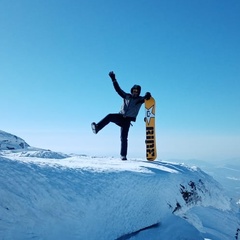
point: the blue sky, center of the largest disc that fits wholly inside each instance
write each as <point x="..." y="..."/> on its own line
<point x="55" y="57"/>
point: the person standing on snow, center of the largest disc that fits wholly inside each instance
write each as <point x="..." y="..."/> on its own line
<point x="132" y="103"/>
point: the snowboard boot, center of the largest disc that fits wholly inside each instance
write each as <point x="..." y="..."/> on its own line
<point x="94" y="127"/>
<point x="124" y="158"/>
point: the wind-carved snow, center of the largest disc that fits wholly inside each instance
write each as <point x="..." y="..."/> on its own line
<point x="52" y="195"/>
<point x="81" y="197"/>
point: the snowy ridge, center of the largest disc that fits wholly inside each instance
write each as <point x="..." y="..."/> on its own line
<point x="52" y="195"/>
<point x="10" y="142"/>
<point x="81" y="197"/>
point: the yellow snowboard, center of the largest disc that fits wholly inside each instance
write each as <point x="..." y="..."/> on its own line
<point x="151" y="148"/>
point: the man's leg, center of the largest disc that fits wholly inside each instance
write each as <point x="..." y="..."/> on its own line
<point x="112" y="117"/>
<point x="124" y="138"/>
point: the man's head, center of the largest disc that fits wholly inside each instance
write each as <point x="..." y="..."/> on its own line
<point x="136" y="90"/>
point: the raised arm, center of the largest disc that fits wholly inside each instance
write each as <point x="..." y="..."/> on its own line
<point x="116" y="85"/>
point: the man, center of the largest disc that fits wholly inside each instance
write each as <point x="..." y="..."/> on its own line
<point x="132" y="103"/>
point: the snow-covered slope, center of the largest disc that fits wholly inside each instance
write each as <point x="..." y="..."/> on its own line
<point x="103" y="198"/>
<point x="9" y="141"/>
<point x="49" y="195"/>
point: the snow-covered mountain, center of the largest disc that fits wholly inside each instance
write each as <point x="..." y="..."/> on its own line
<point x="14" y="143"/>
<point x="83" y="197"/>
<point x="10" y="142"/>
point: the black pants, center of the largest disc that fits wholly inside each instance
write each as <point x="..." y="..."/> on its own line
<point x="122" y="122"/>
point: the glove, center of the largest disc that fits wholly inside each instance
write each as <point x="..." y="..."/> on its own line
<point x="147" y="95"/>
<point x="112" y="76"/>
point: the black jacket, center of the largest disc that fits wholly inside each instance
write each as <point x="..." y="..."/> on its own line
<point x="131" y="105"/>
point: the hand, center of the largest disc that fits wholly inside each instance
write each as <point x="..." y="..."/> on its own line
<point x="112" y="76"/>
<point x="147" y="96"/>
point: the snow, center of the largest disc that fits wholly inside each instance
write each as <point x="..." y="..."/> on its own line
<point x="9" y="141"/>
<point x="50" y="195"/>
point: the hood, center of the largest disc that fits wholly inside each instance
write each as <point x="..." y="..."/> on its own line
<point x="136" y="87"/>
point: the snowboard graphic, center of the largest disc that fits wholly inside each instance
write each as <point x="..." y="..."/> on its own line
<point x="151" y="149"/>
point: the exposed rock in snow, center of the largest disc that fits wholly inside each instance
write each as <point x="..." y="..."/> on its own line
<point x="11" y="142"/>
